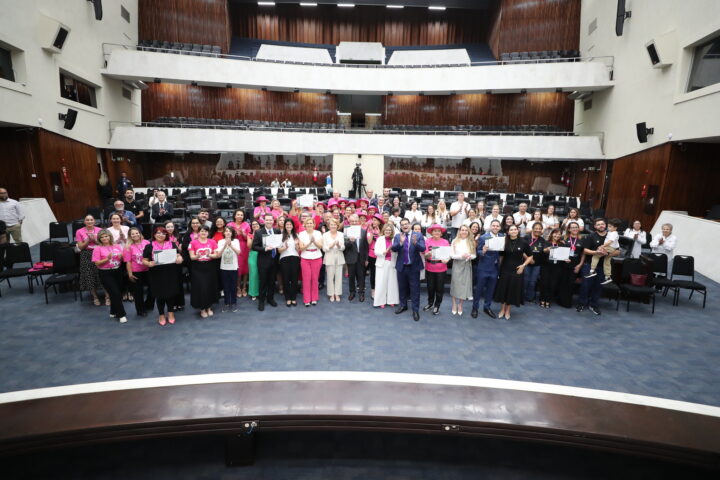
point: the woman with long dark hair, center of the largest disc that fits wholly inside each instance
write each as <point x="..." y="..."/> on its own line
<point x="228" y="251"/>
<point x="137" y="271"/>
<point x="515" y="257"/>
<point x="290" y="262"/>
<point x="553" y="271"/>
<point x="86" y="241"/>
<point x="242" y="230"/>
<point x="253" y="275"/>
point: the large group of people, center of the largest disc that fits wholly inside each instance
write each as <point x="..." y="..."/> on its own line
<point x="508" y="260"/>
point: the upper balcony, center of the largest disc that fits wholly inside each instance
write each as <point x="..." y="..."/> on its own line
<point x="213" y="69"/>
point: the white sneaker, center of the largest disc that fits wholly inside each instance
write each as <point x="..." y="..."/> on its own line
<point x="123" y="319"/>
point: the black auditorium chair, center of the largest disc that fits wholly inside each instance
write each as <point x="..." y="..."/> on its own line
<point x="17" y="254"/>
<point x="637" y="282"/>
<point x="684" y="266"/>
<point x="658" y="263"/>
<point x="47" y="254"/>
<point x="59" y="230"/>
<point x="65" y="266"/>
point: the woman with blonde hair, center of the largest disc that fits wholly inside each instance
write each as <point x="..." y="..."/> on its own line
<point x="463" y="253"/>
<point x="387" y="291"/>
<point x="333" y="242"/>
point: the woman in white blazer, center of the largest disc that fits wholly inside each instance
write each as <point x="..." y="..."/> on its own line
<point x="386" y="284"/>
<point x="333" y="246"/>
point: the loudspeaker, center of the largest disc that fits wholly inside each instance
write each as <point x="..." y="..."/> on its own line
<point x="652" y="51"/>
<point x="69" y="118"/>
<point x="52" y="34"/>
<point x="643" y="132"/>
<point x="620" y="18"/>
<point x="97" y="4"/>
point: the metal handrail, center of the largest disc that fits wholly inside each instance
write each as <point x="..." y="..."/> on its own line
<point x="608" y="59"/>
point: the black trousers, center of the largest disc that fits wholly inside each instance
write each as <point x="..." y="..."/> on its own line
<point x="356" y="280"/>
<point x="436" y="287"/>
<point x="371" y="266"/>
<point x="112" y="283"/>
<point x="267" y="271"/>
<point x="290" y="271"/>
<point x="163" y="303"/>
<point x="143" y="303"/>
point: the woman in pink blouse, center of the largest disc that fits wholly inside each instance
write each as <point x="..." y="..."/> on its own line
<point x="107" y="257"/>
<point x="204" y="288"/>
<point x="276" y="210"/>
<point x="262" y="207"/>
<point x="242" y="230"/>
<point x="86" y="241"/>
<point x="164" y="278"/>
<point x="137" y="271"/>
<point x="435" y="270"/>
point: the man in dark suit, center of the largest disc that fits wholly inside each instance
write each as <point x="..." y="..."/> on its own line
<point x="162" y="211"/>
<point x="267" y="261"/>
<point x="356" y="258"/>
<point x="409" y="246"/>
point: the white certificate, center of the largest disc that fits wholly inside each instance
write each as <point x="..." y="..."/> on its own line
<point x="352" y="231"/>
<point x="273" y="241"/>
<point x="305" y="201"/>
<point x="496" y="244"/>
<point x="560" y="253"/>
<point x="441" y="253"/>
<point x="164" y="257"/>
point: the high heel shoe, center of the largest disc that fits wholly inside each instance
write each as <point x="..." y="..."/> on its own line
<point x="161" y="320"/>
<point x="171" y="318"/>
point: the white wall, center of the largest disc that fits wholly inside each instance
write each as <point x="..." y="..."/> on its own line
<point x="642" y="93"/>
<point x="132" y="64"/>
<point x="373" y="169"/>
<point x="254" y="141"/>
<point x="34" y="99"/>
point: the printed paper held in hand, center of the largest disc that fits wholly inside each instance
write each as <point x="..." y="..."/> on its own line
<point x="560" y="253"/>
<point x="496" y="244"/>
<point x="305" y="201"/>
<point x="273" y="241"/>
<point x="164" y="257"/>
<point x="441" y="253"/>
<point x="352" y="231"/>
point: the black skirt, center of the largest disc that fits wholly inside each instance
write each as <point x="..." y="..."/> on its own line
<point x="204" y="291"/>
<point x="509" y="288"/>
<point x="164" y="281"/>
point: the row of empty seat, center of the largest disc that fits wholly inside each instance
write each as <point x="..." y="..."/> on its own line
<point x="218" y="123"/>
<point x="180" y="48"/>
<point x="541" y="56"/>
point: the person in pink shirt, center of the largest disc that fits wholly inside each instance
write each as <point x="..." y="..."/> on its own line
<point x="137" y="271"/>
<point x="276" y="210"/>
<point x="108" y="258"/>
<point x="373" y="232"/>
<point x="242" y="230"/>
<point x="435" y="270"/>
<point x="86" y="241"/>
<point x="262" y="207"/>
<point x="204" y="287"/>
<point x="164" y="278"/>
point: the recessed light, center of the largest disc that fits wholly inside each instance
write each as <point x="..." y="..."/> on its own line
<point x="395" y="6"/>
<point x="346" y="5"/>
<point x="308" y="4"/>
<point x="436" y="7"/>
<point x="266" y="4"/>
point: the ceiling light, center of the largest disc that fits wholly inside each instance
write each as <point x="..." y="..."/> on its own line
<point x="266" y="4"/>
<point x="395" y="6"/>
<point x="346" y="5"/>
<point x="436" y="8"/>
<point x="308" y="4"/>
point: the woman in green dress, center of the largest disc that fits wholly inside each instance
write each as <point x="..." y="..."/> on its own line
<point x="253" y="281"/>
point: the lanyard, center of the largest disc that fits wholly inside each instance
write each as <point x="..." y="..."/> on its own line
<point x="572" y="241"/>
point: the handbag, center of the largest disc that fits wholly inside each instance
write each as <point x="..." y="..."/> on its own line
<point x="638" y="279"/>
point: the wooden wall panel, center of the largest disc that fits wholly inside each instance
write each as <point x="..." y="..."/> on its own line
<point x="328" y="24"/>
<point x="530" y="25"/>
<point x="690" y="183"/>
<point x="164" y="99"/>
<point x="543" y="108"/>
<point x="187" y="21"/>
<point x="41" y="152"/>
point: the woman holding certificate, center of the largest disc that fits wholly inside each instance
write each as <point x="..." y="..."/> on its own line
<point x="333" y="245"/>
<point x="163" y="274"/>
<point x="516" y="256"/>
<point x="204" y="288"/>
<point x="577" y="259"/>
<point x="437" y="255"/>
<point x="554" y="269"/>
<point x="463" y="252"/>
<point x="387" y="291"/>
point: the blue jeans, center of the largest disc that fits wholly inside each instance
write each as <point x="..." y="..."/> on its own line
<point x="532" y="273"/>
<point x="590" y="289"/>
<point x="229" y="284"/>
<point x="486" y="282"/>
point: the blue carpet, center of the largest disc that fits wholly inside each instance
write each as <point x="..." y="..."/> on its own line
<point x="672" y="354"/>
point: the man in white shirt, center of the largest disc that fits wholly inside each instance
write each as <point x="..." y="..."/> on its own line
<point x="11" y="214"/>
<point x="494" y="215"/>
<point x="522" y="218"/>
<point x="458" y="213"/>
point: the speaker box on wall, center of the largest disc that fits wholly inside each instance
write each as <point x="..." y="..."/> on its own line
<point x="620" y="18"/>
<point x="643" y="132"/>
<point x="97" y="5"/>
<point x="69" y="118"/>
<point x="53" y="34"/>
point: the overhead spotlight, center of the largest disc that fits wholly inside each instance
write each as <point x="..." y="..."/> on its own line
<point x="266" y="4"/>
<point x="328" y="92"/>
<point x="390" y="94"/>
<point x="524" y="90"/>
<point x="264" y="89"/>
<point x="453" y="93"/>
<point x="395" y="6"/>
<point x="558" y="90"/>
<point x="422" y="94"/>
<point x="297" y="90"/>
<point x="194" y="84"/>
<point x="157" y="80"/>
<point x="346" y="5"/>
<point x="436" y="7"/>
<point x="488" y="92"/>
<point x="229" y="85"/>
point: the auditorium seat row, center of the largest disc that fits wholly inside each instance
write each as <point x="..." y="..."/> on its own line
<point x="180" y="48"/>
<point x="543" y="56"/>
<point x="217" y="123"/>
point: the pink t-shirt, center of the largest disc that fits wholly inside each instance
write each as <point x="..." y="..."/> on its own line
<point x="101" y="252"/>
<point x="133" y="254"/>
<point x="375" y="236"/>
<point x="276" y="213"/>
<point x="388" y="244"/>
<point x="203" y="250"/>
<point x="261" y="211"/>
<point x="82" y="235"/>
<point x="430" y="266"/>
